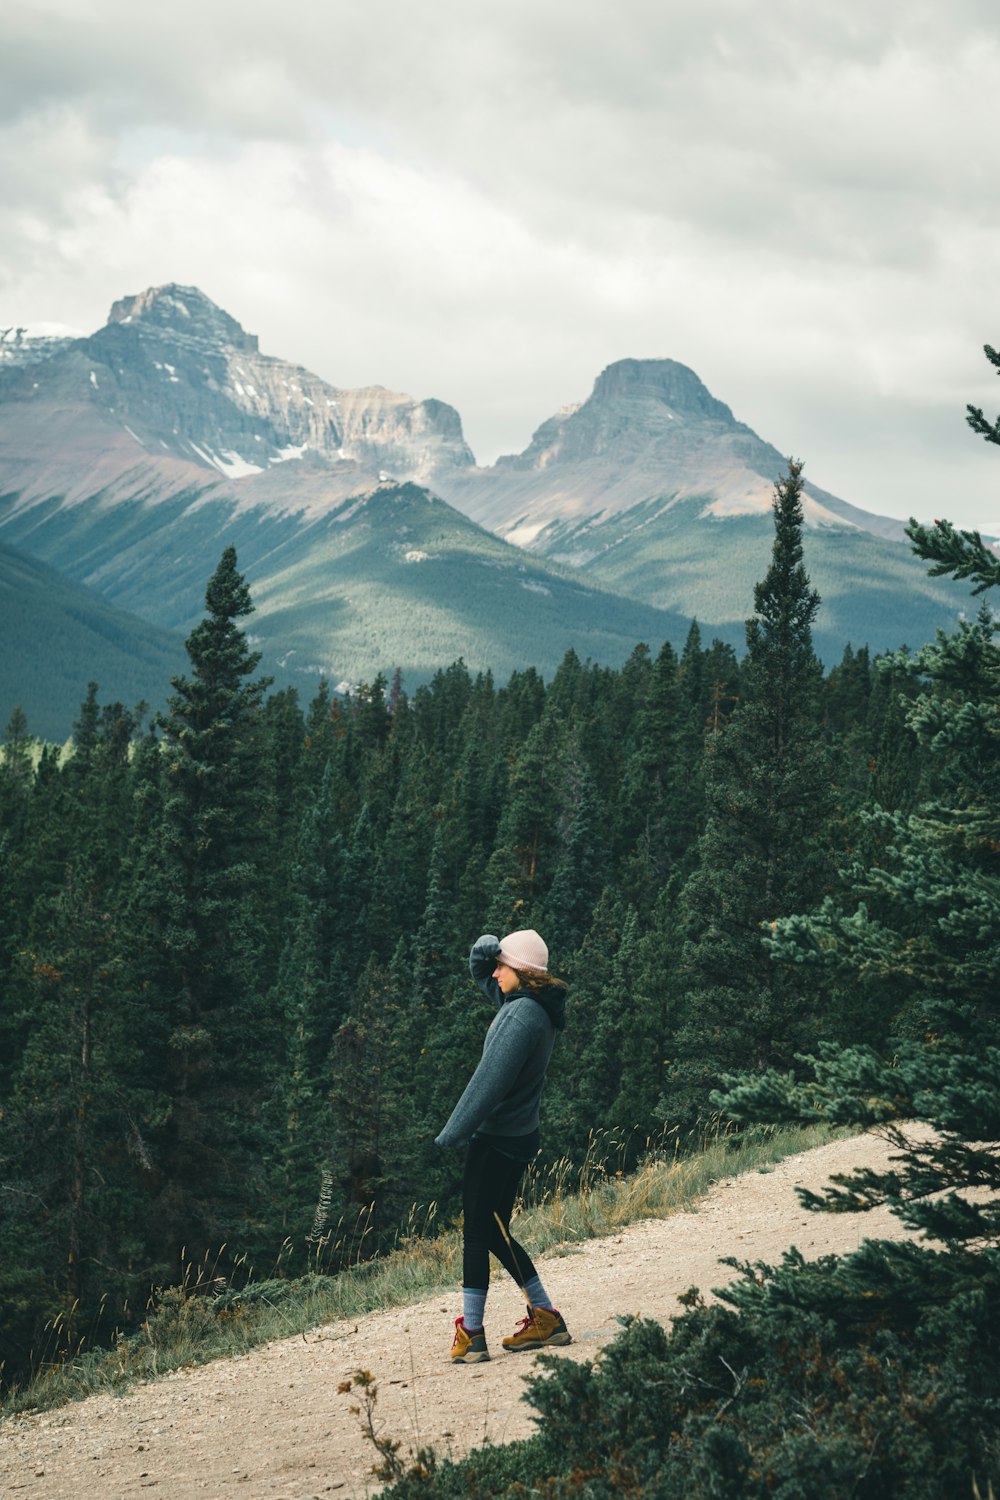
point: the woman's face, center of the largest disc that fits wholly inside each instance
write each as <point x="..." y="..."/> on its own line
<point x="506" y="978"/>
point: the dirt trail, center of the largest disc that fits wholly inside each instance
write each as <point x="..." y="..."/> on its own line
<point x="271" y="1423"/>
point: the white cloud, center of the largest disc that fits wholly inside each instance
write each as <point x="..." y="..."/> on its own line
<point x="490" y="203"/>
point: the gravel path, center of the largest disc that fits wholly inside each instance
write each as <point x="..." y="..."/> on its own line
<point x="272" y="1423"/>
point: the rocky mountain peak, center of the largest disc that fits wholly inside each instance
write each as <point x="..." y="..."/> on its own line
<point x="179" y="377"/>
<point x="183" y="310"/>
<point x="665" y="381"/>
<point x="635" y="404"/>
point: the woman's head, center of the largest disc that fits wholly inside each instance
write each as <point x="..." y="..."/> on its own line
<point x="524" y="951"/>
<point x="522" y="963"/>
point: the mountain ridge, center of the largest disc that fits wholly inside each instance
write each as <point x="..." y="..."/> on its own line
<point x="131" y="456"/>
<point x="648" y="428"/>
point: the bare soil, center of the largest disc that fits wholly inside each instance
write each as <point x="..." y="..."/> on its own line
<point x="272" y="1423"/>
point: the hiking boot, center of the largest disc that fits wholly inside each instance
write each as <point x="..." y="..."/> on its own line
<point x="468" y="1348"/>
<point x="542" y="1328"/>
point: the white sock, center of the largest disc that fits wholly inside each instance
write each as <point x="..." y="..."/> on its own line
<point x="473" y="1308"/>
<point x="536" y="1293"/>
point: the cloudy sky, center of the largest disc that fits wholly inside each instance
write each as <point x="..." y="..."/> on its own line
<point x="490" y="202"/>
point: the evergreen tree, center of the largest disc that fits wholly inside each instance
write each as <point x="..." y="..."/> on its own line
<point x="74" y="1157"/>
<point x="934" y="945"/>
<point x="764" y="851"/>
<point x="197" y="928"/>
<point x="15" y="774"/>
<point x="661" y="790"/>
<point x="310" y="1001"/>
<point x="581" y="862"/>
<point x="400" y="876"/>
<point x="985" y="565"/>
<point x="372" y="1141"/>
<point x="923" y="925"/>
<point x="584" y="1077"/>
<point x="620" y="1045"/>
<point x="522" y="865"/>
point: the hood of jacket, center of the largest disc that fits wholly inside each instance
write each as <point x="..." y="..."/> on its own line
<point x="552" y="999"/>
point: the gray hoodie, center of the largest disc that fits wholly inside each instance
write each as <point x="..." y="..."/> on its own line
<point x="503" y="1094"/>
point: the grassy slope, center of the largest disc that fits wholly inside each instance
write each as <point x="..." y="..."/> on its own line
<point x="562" y="1207"/>
<point x="339" y="592"/>
<point x="58" y="636"/>
<point x="874" y="592"/>
<point x="347" y="597"/>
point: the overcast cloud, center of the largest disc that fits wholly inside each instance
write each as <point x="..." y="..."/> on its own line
<point x="489" y="203"/>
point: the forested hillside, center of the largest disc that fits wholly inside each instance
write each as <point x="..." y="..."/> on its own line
<point x="236" y="1005"/>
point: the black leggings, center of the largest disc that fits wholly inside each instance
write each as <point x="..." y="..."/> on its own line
<point x="488" y="1191"/>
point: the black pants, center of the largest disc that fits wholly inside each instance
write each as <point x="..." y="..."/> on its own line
<point x="488" y="1192"/>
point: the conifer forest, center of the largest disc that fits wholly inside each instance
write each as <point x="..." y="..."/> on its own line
<point x="236" y="1006"/>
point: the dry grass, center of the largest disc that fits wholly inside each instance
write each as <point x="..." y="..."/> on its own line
<point x="202" y="1320"/>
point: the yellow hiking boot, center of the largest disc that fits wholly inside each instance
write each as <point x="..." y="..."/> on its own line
<point x="468" y="1348"/>
<point x="542" y="1328"/>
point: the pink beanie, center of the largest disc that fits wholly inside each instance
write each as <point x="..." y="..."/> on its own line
<point x="524" y="950"/>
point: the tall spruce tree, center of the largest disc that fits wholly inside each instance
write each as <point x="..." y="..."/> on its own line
<point x="522" y="865"/>
<point x="763" y="853"/>
<point x="197" y="930"/>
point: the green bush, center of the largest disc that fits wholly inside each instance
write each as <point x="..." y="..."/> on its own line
<point x="771" y="1398"/>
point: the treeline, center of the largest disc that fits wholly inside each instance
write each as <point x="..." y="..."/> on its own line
<point x="235" y="1006"/>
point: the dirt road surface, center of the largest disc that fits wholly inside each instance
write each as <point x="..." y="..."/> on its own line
<point x="271" y="1425"/>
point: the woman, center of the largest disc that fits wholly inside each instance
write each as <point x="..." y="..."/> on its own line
<point x="497" y="1116"/>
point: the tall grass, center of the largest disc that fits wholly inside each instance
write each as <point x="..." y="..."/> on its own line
<point x="204" y="1318"/>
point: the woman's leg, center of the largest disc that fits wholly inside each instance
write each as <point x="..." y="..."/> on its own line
<point x="488" y="1194"/>
<point x="505" y="1179"/>
<point x="491" y="1182"/>
<point x="476" y="1196"/>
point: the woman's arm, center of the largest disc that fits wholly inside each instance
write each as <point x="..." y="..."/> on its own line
<point x="482" y="962"/>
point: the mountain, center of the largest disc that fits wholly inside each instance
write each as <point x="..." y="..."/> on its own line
<point x="172" y="391"/>
<point x="653" y="487"/>
<point x="58" y="636"/>
<point x="130" y="459"/>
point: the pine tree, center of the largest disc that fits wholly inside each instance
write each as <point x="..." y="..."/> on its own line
<point x="922" y="927"/>
<point x="195" y="915"/>
<point x="310" y="1001"/>
<point x="372" y="1142"/>
<point x="986" y="566"/>
<point x="763" y="853"/>
<point x="522" y="865"/>
<point x="581" y="862"/>
<point x="661" y="786"/>
<point x="16" y="776"/>
<point x="74" y="1154"/>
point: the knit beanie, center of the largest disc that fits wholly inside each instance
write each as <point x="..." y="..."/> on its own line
<point x="524" y="950"/>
